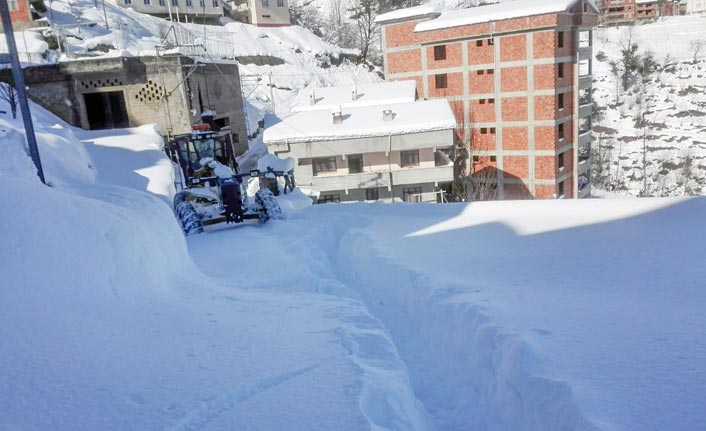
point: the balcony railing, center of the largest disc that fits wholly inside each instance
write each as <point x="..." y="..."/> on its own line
<point x="382" y="178"/>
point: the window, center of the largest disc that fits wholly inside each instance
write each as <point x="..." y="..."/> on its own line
<point x="491" y="41"/>
<point x="189" y="3"/>
<point x="560" y="42"/>
<point x="162" y="3"/>
<point x="492" y="130"/>
<point x="493" y="159"/>
<point x="560" y="101"/>
<point x="215" y="3"/>
<point x="175" y="2"/>
<point x="280" y="3"/>
<point x="408" y="191"/>
<point x="476" y="159"/>
<point x="491" y="101"/>
<point x="147" y="2"/>
<point x="13" y="6"/>
<point x="482" y="101"/>
<point x="372" y="194"/>
<point x="483" y="130"/>
<point x="409" y="158"/>
<point x="560" y="161"/>
<point x="265" y="3"/>
<point x="440" y="81"/>
<point x="355" y="163"/>
<point x="323" y="199"/>
<point x="481" y="72"/>
<point x="126" y="2"/>
<point x="560" y="70"/>
<point x="440" y="52"/>
<point x="560" y="190"/>
<point x="202" y="3"/>
<point x="490" y="71"/>
<point x="479" y="43"/>
<point x="323" y="165"/>
<point x="561" y="132"/>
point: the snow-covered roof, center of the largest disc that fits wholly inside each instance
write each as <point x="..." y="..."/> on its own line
<point x="497" y="12"/>
<point x="359" y="122"/>
<point x="410" y="12"/>
<point x="645" y="1"/>
<point x="366" y="95"/>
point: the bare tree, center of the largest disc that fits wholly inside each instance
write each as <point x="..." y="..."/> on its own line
<point x="696" y="46"/>
<point x="8" y="94"/>
<point x="363" y="13"/>
<point x="687" y="174"/>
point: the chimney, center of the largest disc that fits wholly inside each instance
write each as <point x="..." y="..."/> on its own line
<point x="337" y="116"/>
<point x="388" y="115"/>
<point x="354" y="93"/>
<point x="312" y="97"/>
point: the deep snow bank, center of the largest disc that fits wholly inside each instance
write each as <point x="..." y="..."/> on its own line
<point x="540" y="315"/>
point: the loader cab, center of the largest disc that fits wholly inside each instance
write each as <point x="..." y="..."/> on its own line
<point x="189" y="150"/>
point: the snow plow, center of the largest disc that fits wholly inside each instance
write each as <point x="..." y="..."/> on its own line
<point x="210" y="189"/>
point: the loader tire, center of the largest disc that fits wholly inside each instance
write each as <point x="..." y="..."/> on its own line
<point x="269" y="207"/>
<point x="187" y="215"/>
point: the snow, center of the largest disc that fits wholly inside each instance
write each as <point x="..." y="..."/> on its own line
<point x="270" y="161"/>
<point x="410" y="12"/>
<point x="360" y="122"/>
<point x="672" y="100"/>
<point x="496" y="12"/>
<point x="537" y="315"/>
<point x="327" y="98"/>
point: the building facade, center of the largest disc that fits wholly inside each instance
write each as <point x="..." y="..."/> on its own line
<point x="208" y="11"/>
<point x="171" y="91"/>
<point x="518" y="79"/>
<point x="262" y="13"/>
<point x="696" y="7"/>
<point x="367" y="152"/>
<point x="625" y="12"/>
<point x="20" y="14"/>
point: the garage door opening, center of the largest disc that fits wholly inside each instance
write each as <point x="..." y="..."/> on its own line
<point x="106" y="110"/>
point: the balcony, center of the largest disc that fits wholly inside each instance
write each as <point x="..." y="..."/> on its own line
<point x="585" y="138"/>
<point x="382" y="178"/>
<point x="585" y="52"/>
<point x="585" y="81"/>
<point x="585" y="191"/>
<point x="585" y="110"/>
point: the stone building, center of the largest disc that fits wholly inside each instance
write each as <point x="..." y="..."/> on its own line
<point x="172" y="91"/>
<point x="518" y="77"/>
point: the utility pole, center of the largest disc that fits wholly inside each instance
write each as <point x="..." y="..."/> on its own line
<point x="20" y="88"/>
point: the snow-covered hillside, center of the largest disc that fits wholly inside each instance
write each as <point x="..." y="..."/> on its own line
<point x="275" y="62"/>
<point x="672" y="143"/>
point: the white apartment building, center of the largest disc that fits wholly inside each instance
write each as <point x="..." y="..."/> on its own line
<point x="374" y="151"/>
<point x="190" y="10"/>
<point x="262" y="13"/>
<point x="696" y="7"/>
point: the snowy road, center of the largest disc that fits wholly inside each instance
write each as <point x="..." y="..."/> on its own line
<point x="561" y="315"/>
<point x="493" y="331"/>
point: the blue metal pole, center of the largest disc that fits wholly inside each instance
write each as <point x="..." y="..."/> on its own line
<point x="20" y="88"/>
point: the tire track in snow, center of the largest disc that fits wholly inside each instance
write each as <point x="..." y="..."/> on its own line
<point x="213" y="408"/>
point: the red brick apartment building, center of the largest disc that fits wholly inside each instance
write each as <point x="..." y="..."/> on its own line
<point x="518" y="77"/>
<point x="20" y="14"/>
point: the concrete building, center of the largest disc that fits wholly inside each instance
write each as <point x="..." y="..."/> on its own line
<point x="172" y="91"/>
<point x="376" y="150"/>
<point x="191" y="10"/>
<point x="518" y="78"/>
<point x="262" y="13"/>
<point x="696" y="7"/>
<point x="20" y="15"/>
